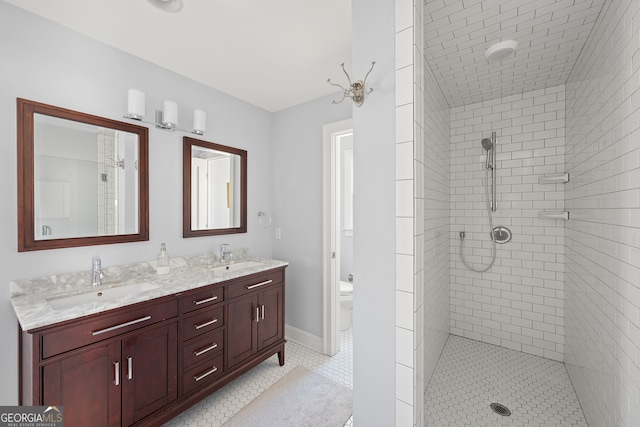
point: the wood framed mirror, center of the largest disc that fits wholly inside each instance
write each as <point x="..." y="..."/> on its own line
<point x="83" y="180"/>
<point x="214" y="189"/>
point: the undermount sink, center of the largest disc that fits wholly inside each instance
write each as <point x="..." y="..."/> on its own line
<point x="230" y="268"/>
<point x="99" y="295"/>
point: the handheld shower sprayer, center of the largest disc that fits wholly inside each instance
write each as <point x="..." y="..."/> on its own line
<point x="487" y="144"/>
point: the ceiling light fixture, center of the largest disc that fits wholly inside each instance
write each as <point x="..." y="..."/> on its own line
<point x="171" y="6"/>
<point x="167" y="118"/>
<point x="356" y="90"/>
<point x="501" y="50"/>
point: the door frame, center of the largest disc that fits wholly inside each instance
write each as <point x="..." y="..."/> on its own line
<point x="330" y="243"/>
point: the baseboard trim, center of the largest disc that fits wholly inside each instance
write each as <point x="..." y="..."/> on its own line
<point x="304" y="338"/>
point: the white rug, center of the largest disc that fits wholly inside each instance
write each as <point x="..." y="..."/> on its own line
<point x="302" y="398"/>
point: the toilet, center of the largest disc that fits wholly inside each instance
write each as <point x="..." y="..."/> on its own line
<point x="346" y="305"/>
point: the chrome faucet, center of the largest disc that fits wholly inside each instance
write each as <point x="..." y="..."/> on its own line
<point x="96" y="272"/>
<point x="225" y="253"/>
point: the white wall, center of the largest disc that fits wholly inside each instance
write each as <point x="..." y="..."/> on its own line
<point x="519" y="302"/>
<point x="44" y="62"/>
<point x="297" y="204"/>
<point x="374" y="132"/>
<point x="603" y="236"/>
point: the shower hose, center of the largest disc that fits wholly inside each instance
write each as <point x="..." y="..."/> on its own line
<point x="493" y="239"/>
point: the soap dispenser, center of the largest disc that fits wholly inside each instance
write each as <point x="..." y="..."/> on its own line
<point x="162" y="265"/>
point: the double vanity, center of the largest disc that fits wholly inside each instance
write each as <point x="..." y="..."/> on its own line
<point x="142" y="347"/>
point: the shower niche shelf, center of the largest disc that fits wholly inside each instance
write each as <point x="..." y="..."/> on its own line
<point x="555" y="178"/>
<point x="553" y="215"/>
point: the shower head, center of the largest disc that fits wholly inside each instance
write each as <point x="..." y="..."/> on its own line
<point x="487" y="144"/>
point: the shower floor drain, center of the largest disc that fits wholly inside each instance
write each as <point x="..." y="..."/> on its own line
<point x="500" y="409"/>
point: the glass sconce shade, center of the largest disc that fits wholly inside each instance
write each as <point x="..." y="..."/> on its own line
<point x="135" y="104"/>
<point x="170" y="114"/>
<point x="199" y="122"/>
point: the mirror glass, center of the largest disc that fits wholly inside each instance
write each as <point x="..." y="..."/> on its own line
<point x="83" y="179"/>
<point x="214" y="191"/>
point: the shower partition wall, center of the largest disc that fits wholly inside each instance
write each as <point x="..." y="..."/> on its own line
<point x="603" y="236"/>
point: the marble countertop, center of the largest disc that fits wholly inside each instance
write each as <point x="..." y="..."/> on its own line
<point x="29" y="297"/>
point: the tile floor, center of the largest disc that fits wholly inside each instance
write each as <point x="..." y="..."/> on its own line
<point x="216" y="409"/>
<point x="471" y="375"/>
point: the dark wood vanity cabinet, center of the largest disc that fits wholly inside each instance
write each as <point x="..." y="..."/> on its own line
<point x="116" y="383"/>
<point x="145" y="363"/>
<point x="203" y="337"/>
<point x="109" y="382"/>
<point x="150" y="372"/>
<point x="255" y="322"/>
<point x="86" y="379"/>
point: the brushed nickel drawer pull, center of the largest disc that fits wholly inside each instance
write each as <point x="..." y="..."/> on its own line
<point x="129" y="368"/>
<point x="262" y="312"/>
<point x="204" y="350"/>
<point x="257" y="314"/>
<point x="121" y="325"/>
<point x="202" y="325"/>
<point x="206" y="374"/>
<point x="266" y="282"/>
<point x="202" y="301"/>
<point x="116" y="368"/>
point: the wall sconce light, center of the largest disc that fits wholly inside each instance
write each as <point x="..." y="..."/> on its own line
<point x="167" y="119"/>
<point x="356" y="90"/>
<point x="135" y="105"/>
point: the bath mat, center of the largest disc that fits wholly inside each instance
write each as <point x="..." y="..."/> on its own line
<point x="302" y="398"/>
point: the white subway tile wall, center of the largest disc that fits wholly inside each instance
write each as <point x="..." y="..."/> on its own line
<point x="519" y="302"/>
<point x="603" y="237"/>
<point x="434" y="142"/>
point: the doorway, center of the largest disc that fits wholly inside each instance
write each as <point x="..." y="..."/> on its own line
<point x="337" y="226"/>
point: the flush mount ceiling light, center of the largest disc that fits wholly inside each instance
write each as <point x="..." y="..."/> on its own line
<point x="501" y="50"/>
<point x="170" y="6"/>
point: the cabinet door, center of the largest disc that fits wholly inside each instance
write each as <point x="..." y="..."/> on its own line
<point x="241" y="329"/>
<point x="271" y="323"/>
<point x="87" y="386"/>
<point x="149" y="371"/>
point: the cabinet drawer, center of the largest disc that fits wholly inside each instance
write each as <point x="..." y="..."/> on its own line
<point x="255" y="283"/>
<point x="204" y="298"/>
<point x="104" y="326"/>
<point x="202" y="348"/>
<point x="202" y="321"/>
<point x="203" y="373"/>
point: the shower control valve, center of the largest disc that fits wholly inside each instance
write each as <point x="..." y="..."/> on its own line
<point x="462" y="235"/>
